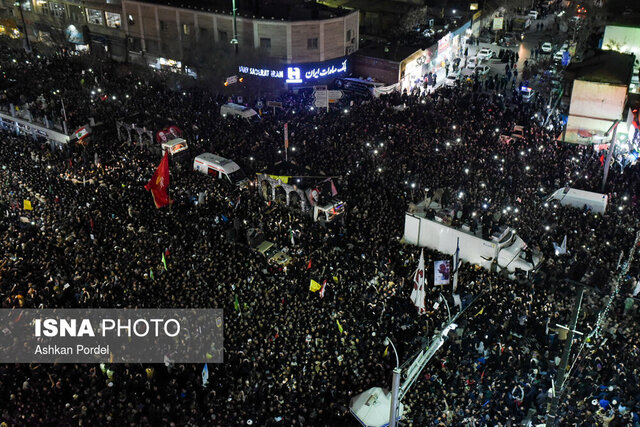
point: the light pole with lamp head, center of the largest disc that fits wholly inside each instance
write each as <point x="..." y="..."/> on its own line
<point x="395" y="386"/>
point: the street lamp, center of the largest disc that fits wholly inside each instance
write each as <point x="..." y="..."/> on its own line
<point x="24" y="24"/>
<point x="395" y="386"/>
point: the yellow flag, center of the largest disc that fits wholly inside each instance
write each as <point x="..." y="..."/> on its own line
<point x="27" y="205"/>
<point x="314" y="286"/>
<point x="340" y="326"/>
<point x="283" y="179"/>
<point x="480" y="312"/>
<point x="386" y="352"/>
<point x="335" y="279"/>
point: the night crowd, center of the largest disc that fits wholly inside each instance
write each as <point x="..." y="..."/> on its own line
<point x="95" y="239"/>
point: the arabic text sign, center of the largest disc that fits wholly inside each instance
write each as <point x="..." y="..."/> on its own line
<point x="111" y="335"/>
<point x="311" y="72"/>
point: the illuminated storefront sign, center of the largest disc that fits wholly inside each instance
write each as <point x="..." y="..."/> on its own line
<point x="295" y="74"/>
<point x="261" y="72"/>
<point x="301" y="73"/>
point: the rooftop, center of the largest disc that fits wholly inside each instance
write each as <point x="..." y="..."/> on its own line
<point x="284" y="10"/>
<point x="606" y="66"/>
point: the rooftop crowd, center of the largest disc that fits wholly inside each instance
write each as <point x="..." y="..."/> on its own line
<point x="94" y="239"/>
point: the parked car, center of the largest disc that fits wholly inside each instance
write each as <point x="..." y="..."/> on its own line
<point x="547" y="47"/>
<point x="557" y="57"/>
<point x="533" y="14"/>
<point x="452" y="78"/>
<point x="482" y="70"/>
<point x="485" y="54"/>
<point x="472" y="62"/>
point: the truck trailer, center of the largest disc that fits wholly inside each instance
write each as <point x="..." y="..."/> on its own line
<point x="504" y="250"/>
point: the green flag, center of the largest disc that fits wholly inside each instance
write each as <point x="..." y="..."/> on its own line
<point x="164" y="262"/>
<point x="339" y="326"/>
<point x="151" y="274"/>
<point x="236" y="303"/>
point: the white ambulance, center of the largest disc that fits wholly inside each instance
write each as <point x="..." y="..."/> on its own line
<point x="219" y="168"/>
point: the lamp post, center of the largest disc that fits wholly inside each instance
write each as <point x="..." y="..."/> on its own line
<point x="234" y="41"/>
<point x="395" y="386"/>
<point x="24" y="24"/>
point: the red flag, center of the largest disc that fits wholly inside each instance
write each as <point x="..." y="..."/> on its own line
<point x="159" y="183"/>
<point x="333" y="189"/>
<point x="309" y="265"/>
<point x="602" y="160"/>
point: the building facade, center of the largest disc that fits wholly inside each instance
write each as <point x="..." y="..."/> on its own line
<point x="172" y="32"/>
<point x="164" y="35"/>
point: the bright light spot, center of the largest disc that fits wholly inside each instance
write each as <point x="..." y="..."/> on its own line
<point x="528" y="167"/>
<point x="375" y="151"/>
<point x="448" y="144"/>
<point x="473" y="214"/>
<point x="504" y="211"/>
<point x="458" y="139"/>
<point x="546" y="205"/>
<point x="522" y="153"/>
<point x="293" y="148"/>
<point x="466" y="171"/>
<point x="516" y="210"/>
<point x="508" y="208"/>
<point x="93" y="92"/>
<point x="113" y="97"/>
<point x="495" y="157"/>
<point x="484" y="206"/>
<point x="620" y="208"/>
<point x="413" y="185"/>
<point x="184" y="93"/>
<point x="251" y="158"/>
<point x="99" y="90"/>
<point x="294" y="111"/>
<point x="546" y="227"/>
<point x="460" y="195"/>
<point x="311" y="108"/>
<point x="625" y="198"/>
<point x="379" y="169"/>
<point x="497" y="130"/>
<point x="453" y="127"/>
<point x="482" y="185"/>
<point x="346" y="111"/>
<point x="368" y="145"/>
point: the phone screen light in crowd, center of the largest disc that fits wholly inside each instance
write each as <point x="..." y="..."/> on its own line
<point x="485" y="206"/>
<point x="437" y="149"/>
<point x="293" y="148"/>
<point x="93" y="92"/>
<point x="458" y="140"/>
<point x="547" y="228"/>
<point x="294" y="111"/>
<point x="483" y="185"/>
<point x="368" y="145"/>
<point x="460" y="195"/>
<point x="279" y="151"/>
<point x="379" y="169"/>
<point x="315" y="128"/>
<point x="497" y="130"/>
<point x="466" y="170"/>
<point x="99" y="90"/>
<point x="504" y="211"/>
<point x="311" y="108"/>
<point x="453" y="127"/>
<point x="522" y="153"/>
<point x="184" y="93"/>
<point x="382" y="144"/>
<point x="413" y="185"/>
<point x="528" y="167"/>
<point x="423" y="101"/>
<point x="113" y="97"/>
<point x="448" y="144"/>
<point x="375" y="151"/>
<point x="625" y="198"/>
<point x="346" y="111"/>
<point x="620" y="208"/>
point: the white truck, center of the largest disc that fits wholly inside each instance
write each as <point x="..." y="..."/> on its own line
<point x="568" y="196"/>
<point x="505" y="250"/>
<point x="219" y="167"/>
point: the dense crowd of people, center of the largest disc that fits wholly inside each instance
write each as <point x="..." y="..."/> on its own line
<point x="94" y="239"/>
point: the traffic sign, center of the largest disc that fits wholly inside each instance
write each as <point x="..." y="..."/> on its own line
<point x="274" y="104"/>
<point x="335" y="94"/>
<point x="232" y="79"/>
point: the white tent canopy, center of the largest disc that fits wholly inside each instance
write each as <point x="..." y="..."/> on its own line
<point x="372" y="407"/>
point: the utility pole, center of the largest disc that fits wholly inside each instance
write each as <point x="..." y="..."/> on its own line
<point x="24" y="24"/>
<point x="612" y="147"/>
<point x="558" y="387"/>
<point x="234" y="41"/>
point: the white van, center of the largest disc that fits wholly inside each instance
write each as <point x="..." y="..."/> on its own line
<point x="236" y="110"/>
<point x="568" y="196"/>
<point x="178" y="148"/>
<point x="219" y="167"/>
